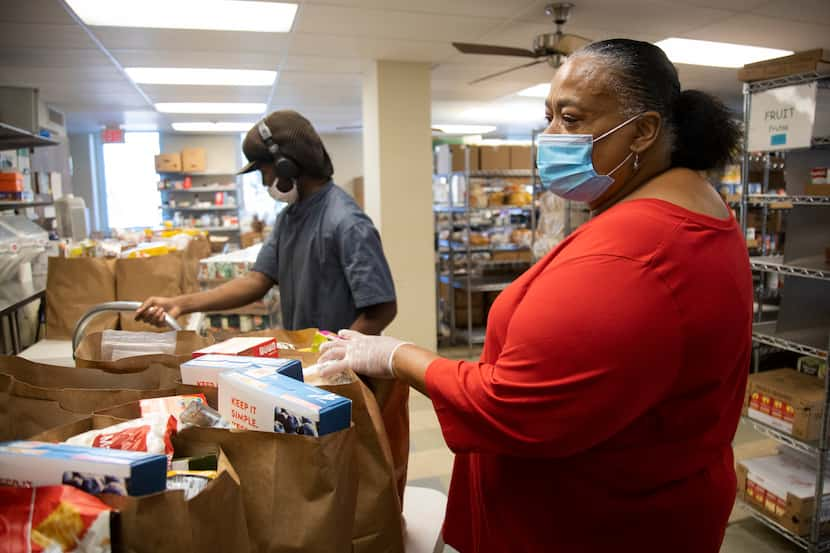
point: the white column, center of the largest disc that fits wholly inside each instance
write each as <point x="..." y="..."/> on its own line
<point x="397" y="167"/>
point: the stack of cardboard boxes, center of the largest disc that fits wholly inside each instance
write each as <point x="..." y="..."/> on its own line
<point x="189" y="160"/>
<point x="452" y="158"/>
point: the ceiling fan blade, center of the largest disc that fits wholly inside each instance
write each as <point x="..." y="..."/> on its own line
<point x="500" y="73"/>
<point x="569" y="44"/>
<point x="492" y="50"/>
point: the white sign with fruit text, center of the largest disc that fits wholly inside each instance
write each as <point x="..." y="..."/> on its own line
<point x="782" y="118"/>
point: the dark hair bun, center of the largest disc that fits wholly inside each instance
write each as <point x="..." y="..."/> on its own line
<point x="706" y="133"/>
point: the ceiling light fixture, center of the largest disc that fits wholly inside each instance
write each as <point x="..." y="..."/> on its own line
<point x="201" y="76"/>
<point x="716" y="54"/>
<point x="540" y="90"/>
<point x="212" y="126"/>
<point x="211" y="107"/>
<point x="209" y="15"/>
<point x="465" y="129"/>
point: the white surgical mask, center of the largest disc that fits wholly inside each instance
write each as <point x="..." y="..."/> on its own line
<point x="289" y="197"/>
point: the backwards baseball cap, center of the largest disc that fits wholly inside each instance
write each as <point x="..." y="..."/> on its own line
<point x="297" y="141"/>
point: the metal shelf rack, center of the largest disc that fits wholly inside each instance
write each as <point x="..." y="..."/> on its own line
<point x="204" y="183"/>
<point x="12" y="138"/>
<point x="454" y="253"/>
<point x="803" y="323"/>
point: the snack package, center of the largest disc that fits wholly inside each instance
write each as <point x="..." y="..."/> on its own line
<point x="151" y="434"/>
<point x="203" y="415"/>
<point x="53" y="519"/>
<point x="259" y="399"/>
<point x="170" y="405"/>
<point x="190" y="481"/>
<point x="202" y="462"/>
<point x="30" y="464"/>
<point x="205" y="370"/>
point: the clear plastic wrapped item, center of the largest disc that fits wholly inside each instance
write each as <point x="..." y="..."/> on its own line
<point x="118" y="344"/>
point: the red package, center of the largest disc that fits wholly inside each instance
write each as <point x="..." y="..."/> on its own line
<point x="53" y="518"/>
<point x="151" y="434"/>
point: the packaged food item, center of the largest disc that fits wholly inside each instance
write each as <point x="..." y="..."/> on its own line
<point x="205" y="370"/>
<point x="202" y="462"/>
<point x="118" y="344"/>
<point x="201" y="414"/>
<point x="53" y="519"/>
<point x="788" y="401"/>
<point x="259" y="399"/>
<point x="248" y="346"/>
<point x="30" y="464"/>
<point x="151" y="434"/>
<point x="190" y="481"/>
<point x="170" y="405"/>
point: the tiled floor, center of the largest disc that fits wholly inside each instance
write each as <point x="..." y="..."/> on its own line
<point x="430" y="464"/>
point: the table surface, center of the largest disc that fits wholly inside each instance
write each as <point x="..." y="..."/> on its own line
<point x="14" y="294"/>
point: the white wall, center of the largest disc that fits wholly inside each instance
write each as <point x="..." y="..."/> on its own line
<point x="222" y="151"/>
<point x="346" y="152"/>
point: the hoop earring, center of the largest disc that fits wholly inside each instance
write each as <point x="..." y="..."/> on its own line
<point x="636" y="162"/>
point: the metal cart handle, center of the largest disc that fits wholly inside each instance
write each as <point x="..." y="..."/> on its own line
<point x="83" y="322"/>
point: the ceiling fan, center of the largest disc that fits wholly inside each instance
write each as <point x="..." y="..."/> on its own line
<point x="550" y="47"/>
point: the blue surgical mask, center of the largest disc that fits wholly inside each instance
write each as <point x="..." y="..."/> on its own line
<point x="566" y="166"/>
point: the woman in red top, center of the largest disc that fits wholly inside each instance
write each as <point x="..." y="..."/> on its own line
<point x="601" y="413"/>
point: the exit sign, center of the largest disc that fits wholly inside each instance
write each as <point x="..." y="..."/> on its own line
<point x="112" y="136"/>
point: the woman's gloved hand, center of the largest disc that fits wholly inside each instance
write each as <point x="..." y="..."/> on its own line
<point x="367" y="355"/>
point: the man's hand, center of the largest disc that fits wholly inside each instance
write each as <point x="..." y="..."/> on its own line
<point x="367" y="355"/>
<point x="153" y="309"/>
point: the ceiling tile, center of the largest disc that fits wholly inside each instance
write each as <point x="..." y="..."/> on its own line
<point x="732" y="5"/>
<point x="373" y="23"/>
<point x="49" y="57"/>
<point x="766" y="31"/>
<point x="321" y="64"/>
<point x="808" y="11"/>
<point x="368" y="48"/>
<point x="31" y="76"/>
<point x="115" y="38"/>
<point x="472" y="8"/>
<point x="34" y="35"/>
<point x="231" y="59"/>
<point x="177" y="93"/>
<point x="37" y="11"/>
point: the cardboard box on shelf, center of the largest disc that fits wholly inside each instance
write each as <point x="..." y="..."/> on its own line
<point x="11" y="182"/>
<point x="520" y="157"/>
<point x="169" y="163"/>
<point x="820" y="175"/>
<point x="194" y="160"/>
<point x="458" y="157"/>
<point x="259" y="399"/>
<point x="817" y="190"/>
<point x="461" y="296"/>
<point x="205" y="370"/>
<point x="800" y="62"/>
<point x="494" y="158"/>
<point x="783" y="488"/>
<point x="245" y="346"/>
<point x="477" y="314"/>
<point x="787" y="400"/>
<point x="31" y="463"/>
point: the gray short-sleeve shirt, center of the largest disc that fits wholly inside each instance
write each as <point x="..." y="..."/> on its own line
<point x="326" y="256"/>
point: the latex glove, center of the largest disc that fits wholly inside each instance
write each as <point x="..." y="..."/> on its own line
<point x="367" y="355"/>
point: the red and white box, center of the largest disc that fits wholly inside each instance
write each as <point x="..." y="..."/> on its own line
<point x="820" y="175"/>
<point x="251" y="347"/>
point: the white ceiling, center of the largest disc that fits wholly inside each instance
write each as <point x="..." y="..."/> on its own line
<point x="322" y="59"/>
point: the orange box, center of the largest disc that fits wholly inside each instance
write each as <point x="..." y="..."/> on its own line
<point x="11" y="182"/>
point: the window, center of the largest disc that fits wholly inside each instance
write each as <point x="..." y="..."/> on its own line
<point x="131" y="180"/>
<point x="255" y="197"/>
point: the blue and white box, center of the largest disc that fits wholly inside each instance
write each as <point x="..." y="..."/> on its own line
<point x="92" y="469"/>
<point x="259" y="399"/>
<point x="205" y="370"/>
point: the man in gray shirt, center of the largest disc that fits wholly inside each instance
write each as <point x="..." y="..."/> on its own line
<point x="324" y="252"/>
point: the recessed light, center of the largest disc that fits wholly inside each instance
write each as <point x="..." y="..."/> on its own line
<point x="465" y="129"/>
<point x="210" y="15"/>
<point x="716" y="54"/>
<point x="201" y="76"/>
<point x="210" y="107"/>
<point x="540" y="90"/>
<point x="212" y="126"/>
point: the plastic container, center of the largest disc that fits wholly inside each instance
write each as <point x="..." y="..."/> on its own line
<point x="72" y="217"/>
<point x="10" y="258"/>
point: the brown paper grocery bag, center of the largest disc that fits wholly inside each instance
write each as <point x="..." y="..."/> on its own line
<point x="213" y="521"/>
<point x="198" y="248"/>
<point x="378" y="523"/>
<point x="35" y="397"/>
<point x="88" y="353"/>
<point x="139" y="278"/>
<point x="73" y="287"/>
<point x="299" y="492"/>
